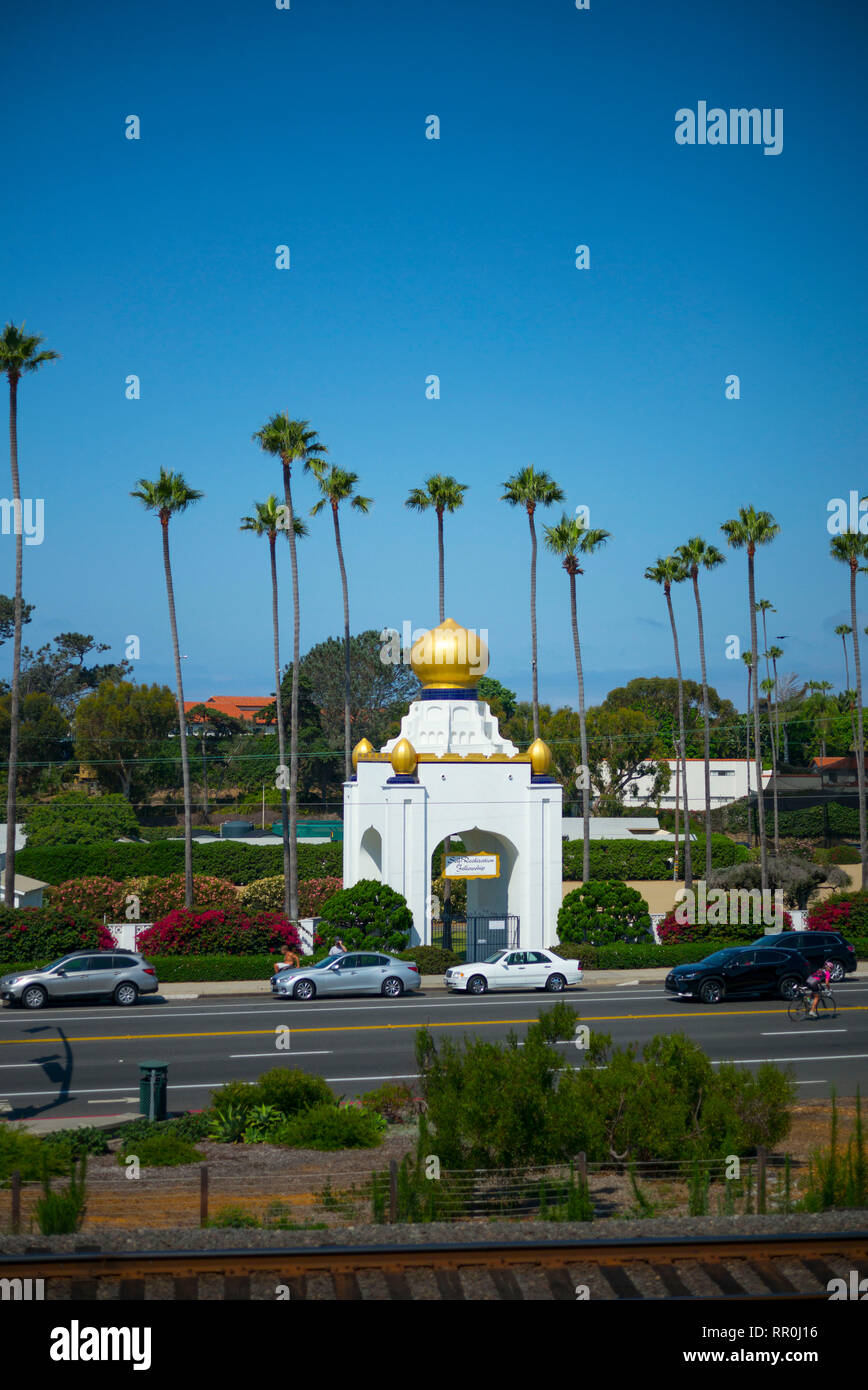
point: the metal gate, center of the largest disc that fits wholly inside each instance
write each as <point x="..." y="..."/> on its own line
<point x="477" y="936"/>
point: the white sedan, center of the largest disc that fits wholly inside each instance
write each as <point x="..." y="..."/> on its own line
<point x="515" y="970"/>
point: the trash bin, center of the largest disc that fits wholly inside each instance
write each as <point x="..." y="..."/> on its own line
<point x="153" y="1085"/>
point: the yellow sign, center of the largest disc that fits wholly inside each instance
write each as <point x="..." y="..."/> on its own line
<point x="472" y="866"/>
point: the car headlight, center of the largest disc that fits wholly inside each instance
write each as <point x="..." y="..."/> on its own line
<point x="688" y="975"/>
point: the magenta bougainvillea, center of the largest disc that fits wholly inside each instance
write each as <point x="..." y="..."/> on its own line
<point x="220" y="932"/>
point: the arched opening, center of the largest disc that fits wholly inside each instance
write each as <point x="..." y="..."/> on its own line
<point x="474" y="916"/>
<point x="371" y="854"/>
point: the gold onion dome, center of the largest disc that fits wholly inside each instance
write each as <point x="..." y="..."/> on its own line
<point x="363" y="749"/>
<point x="403" y="757"/>
<point x="540" y="756"/>
<point x="449" y="657"/>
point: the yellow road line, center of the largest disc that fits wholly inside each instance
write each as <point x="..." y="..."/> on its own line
<point x="391" y="1027"/>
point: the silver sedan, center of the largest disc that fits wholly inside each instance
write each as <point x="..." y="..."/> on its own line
<point x="356" y="972"/>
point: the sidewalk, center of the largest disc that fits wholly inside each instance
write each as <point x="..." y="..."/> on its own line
<point x="208" y="988"/>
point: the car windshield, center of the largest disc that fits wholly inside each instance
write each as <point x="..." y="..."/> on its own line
<point x="61" y="960"/>
<point x="326" y="962"/>
<point x="492" y="960"/>
<point x="719" y="957"/>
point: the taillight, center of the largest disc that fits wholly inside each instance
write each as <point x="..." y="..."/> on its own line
<point x="149" y="970"/>
<point x="852" y="950"/>
<point x="415" y="967"/>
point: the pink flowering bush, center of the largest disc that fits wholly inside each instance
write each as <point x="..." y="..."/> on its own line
<point x="230" y="931"/>
<point x="843" y="912"/>
<point x="35" y="935"/>
<point x="673" y="932"/>
<point x="95" y="898"/>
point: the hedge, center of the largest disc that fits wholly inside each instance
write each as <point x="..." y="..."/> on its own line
<point x="232" y="931"/>
<point x="78" y="818"/>
<point x="175" y="969"/>
<point x="239" y="863"/>
<point x="842" y="820"/>
<point x="266" y="894"/>
<point x="34" y="935"/>
<point x="97" y="897"/>
<point x="645" y="859"/>
<point x="624" y="956"/>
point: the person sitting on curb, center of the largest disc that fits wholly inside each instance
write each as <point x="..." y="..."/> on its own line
<point x="290" y="958"/>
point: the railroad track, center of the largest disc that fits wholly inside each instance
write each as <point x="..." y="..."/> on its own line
<point x="782" y="1267"/>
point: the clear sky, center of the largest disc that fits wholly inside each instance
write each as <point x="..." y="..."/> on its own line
<point x="454" y="257"/>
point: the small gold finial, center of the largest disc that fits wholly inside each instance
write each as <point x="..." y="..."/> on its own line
<point x="362" y="750"/>
<point x="540" y="756"/>
<point x="404" y="758"/>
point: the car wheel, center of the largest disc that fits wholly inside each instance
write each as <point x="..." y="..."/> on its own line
<point x="392" y="988"/>
<point x="555" y="984"/>
<point x="305" y="989"/>
<point x="477" y="984"/>
<point x="126" y="993"/>
<point x="34" y="997"/>
<point x="837" y="972"/>
<point x="711" y="992"/>
<point x="790" y="986"/>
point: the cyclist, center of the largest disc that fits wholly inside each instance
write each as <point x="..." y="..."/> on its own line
<point x="819" y="981"/>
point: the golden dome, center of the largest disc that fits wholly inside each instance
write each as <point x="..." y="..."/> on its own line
<point x="540" y="756"/>
<point x="404" y="758"/>
<point x="362" y="749"/>
<point x="449" y="657"/>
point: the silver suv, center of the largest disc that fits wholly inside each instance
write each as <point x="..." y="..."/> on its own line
<point x="83" y="975"/>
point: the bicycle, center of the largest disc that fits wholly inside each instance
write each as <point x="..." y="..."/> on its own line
<point x="800" y="1004"/>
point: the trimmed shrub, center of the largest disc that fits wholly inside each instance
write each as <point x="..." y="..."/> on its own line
<point x="180" y="969"/>
<point x="369" y="915"/>
<point x="267" y="894"/>
<point x="34" y="935"/>
<point x="432" y="960"/>
<point x="643" y="859"/>
<point x="231" y="932"/>
<point x="76" y="818"/>
<point x="603" y="911"/>
<point x="237" y="862"/>
<point x="90" y="898"/>
<point x="328" y="1127"/>
<point x="157" y="896"/>
<point x="844" y="912"/>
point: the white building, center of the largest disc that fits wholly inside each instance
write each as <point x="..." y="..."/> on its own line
<point x="450" y="772"/>
<point x="730" y="779"/>
<point x="615" y="828"/>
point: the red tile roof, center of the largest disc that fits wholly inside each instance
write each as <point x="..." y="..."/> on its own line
<point x="236" y="706"/>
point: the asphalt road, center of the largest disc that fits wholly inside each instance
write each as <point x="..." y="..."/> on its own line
<point x="69" y="1061"/>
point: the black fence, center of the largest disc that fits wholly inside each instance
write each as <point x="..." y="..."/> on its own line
<point x="475" y="937"/>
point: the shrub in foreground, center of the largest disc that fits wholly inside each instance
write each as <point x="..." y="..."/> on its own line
<point x="330" y="1127"/>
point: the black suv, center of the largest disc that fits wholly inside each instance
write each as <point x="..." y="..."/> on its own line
<point x="816" y="947"/>
<point x="740" y="970"/>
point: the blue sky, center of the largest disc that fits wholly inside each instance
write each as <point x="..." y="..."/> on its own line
<point x="412" y="257"/>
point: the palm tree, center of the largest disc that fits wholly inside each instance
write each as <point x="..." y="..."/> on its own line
<point x="697" y="554"/>
<point x="19" y="354"/>
<point x="850" y="548"/>
<point x="571" y="538"/>
<point x="668" y="571"/>
<point x="168" y="497"/>
<point x="292" y="442"/>
<point x="337" y="486"/>
<point x="747" y="658"/>
<point x="746" y="531"/>
<point x="774" y="653"/>
<point x="843" y="630"/>
<point x="530" y="490"/>
<point x="267" y="520"/>
<point x="764" y="605"/>
<point x="444" y="494"/>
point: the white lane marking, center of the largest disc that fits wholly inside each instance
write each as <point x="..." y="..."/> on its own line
<point x="811" y="1083"/>
<point x="321" y="1052"/>
<point x="826" y="1057"/>
<point x="626" y="984"/>
<point x="399" y="1076"/>
<point x="14" y="1066"/>
<point x="112" y="1101"/>
<point x="802" y="1032"/>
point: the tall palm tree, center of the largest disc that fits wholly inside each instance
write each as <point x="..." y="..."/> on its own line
<point x="337" y="486"/>
<point x="747" y="531"/>
<point x="292" y="441"/>
<point x="666" y="572"/>
<point x="697" y="554"/>
<point x="747" y="658"/>
<point x="774" y="653"/>
<point x="445" y="494"/>
<point x="571" y="539"/>
<point x="530" y="490"/>
<point x="267" y="521"/>
<point x="843" y="630"/>
<point x="851" y="548"/>
<point x="19" y="354"/>
<point x="168" y="496"/>
<point x="764" y="606"/>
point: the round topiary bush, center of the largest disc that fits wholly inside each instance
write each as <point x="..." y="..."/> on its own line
<point x="604" y="910"/>
<point x="267" y="894"/>
<point x="368" y="915"/>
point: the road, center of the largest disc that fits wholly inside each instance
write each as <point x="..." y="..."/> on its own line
<point x="66" y="1062"/>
